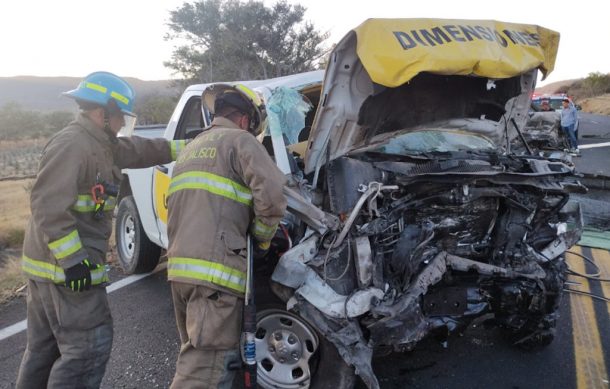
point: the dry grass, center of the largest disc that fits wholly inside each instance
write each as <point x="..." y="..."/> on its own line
<point x="22" y="144"/>
<point x="14" y="216"/>
<point x="11" y="278"/>
<point x="599" y="105"/>
<point x="20" y="158"/>
<point x="14" y="211"/>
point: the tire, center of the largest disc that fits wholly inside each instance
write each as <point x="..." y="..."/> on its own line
<point x="326" y="368"/>
<point x="283" y="341"/>
<point x="137" y="254"/>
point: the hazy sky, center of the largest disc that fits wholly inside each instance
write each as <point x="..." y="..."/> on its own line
<point x="76" y="37"/>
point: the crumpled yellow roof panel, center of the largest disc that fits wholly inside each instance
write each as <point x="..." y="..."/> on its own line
<point x="393" y="51"/>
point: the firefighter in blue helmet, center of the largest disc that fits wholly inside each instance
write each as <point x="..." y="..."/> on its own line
<point x="69" y="327"/>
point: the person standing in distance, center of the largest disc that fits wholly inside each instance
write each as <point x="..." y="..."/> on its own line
<point x="224" y="185"/>
<point x="569" y="115"/>
<point x="69" y="325"/>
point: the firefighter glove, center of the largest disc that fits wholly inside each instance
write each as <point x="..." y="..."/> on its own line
<point x="261" y="249"/>
<point x="78" y="277"/>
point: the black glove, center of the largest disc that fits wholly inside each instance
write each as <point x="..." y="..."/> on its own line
<point x="78" y="277"/>
<point x="260" y="250"/>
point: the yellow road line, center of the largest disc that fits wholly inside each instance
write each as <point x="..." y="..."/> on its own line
<point x="588" y="354"/>
<point x="602" y="259"/>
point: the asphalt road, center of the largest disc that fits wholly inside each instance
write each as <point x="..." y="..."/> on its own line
<point x="594" y="134"/>
<point x="146" y="345"/>
<point x="146" y="341"/>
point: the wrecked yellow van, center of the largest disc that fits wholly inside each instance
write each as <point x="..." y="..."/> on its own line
<point x="417" y="206"/>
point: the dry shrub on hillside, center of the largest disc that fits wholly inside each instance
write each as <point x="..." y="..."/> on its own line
<point x="599" y="105"/>
<point x="595" y="84"/>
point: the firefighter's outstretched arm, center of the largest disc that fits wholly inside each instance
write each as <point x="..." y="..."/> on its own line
<point x="137" y="152"/>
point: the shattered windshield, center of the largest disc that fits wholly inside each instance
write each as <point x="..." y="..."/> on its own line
<point x="419" y="142"/>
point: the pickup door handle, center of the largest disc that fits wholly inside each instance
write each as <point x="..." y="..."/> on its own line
<point x="162" y="168"/>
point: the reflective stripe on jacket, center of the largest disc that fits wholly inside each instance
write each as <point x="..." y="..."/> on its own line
<point x="224" y="183"/>
<point x="63" y="230"/>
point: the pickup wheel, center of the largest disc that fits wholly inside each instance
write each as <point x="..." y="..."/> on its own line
<point x="137" y="254"/>
<point x="292" y="355"/>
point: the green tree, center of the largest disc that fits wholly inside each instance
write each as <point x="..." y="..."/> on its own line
<point x="234" y="40"/>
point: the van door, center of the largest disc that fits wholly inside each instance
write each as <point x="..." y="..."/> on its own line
<point x="191" y="123"/>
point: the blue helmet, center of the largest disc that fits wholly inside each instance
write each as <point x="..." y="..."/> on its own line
<point x="100" y="87"/>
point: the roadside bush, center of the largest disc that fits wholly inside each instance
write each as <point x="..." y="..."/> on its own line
<point x="12" y="278"/>
<point x="595" y="84"/>
<point x="19" y="123"/>
<point x="12" y="237"/>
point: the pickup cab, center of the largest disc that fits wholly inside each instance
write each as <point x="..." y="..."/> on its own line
<point x="141" y="222"/>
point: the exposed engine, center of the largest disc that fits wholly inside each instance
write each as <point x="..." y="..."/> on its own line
<point x="427" y="245"/>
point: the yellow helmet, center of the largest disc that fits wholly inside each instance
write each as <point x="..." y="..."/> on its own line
<point x="240" y="97"/>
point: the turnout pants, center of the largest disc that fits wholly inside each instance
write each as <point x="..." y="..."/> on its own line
<point x="69" y="337"/>
<point x="209" y="323"/>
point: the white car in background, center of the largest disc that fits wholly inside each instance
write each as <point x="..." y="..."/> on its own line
<point x="555" y="102"/>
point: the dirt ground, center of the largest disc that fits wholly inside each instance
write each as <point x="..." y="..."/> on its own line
<point x="14" y="216"/>
<point x="599" y="105"/>
<point x="14" y="207"/>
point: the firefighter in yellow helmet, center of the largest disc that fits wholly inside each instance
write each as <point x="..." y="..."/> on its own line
<point x="69" y="326"/>
<point x="224" y="184"/>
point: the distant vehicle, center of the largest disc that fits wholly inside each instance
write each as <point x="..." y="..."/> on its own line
<point x="554" y="102"/>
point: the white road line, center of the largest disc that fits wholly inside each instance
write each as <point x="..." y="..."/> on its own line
<point x="594" y="145"/>
<point x="12" y="330"/>
<point x="16" y="328"/>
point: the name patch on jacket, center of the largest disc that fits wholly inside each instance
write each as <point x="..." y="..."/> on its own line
<point x="203" y="147"/>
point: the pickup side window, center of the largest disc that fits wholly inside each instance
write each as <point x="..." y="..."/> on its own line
<point x="191" y="122"/>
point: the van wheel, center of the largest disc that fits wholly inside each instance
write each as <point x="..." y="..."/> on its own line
<point x="292" y="355"/>
<point x="137" y="254"/>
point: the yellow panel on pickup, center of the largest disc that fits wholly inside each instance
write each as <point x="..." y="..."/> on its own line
<point x="162" y="181"/>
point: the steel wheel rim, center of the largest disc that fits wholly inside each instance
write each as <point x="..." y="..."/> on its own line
<point x="284" y="347"/>
<point x="127" y="230"/>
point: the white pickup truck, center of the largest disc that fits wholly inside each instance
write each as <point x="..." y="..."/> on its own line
<point x="141" y="229"/>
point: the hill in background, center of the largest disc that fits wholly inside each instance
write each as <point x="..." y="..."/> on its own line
<point x="555" y="87"/>
<point x="591" y="93"/>
<point x="44" y="93"/>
